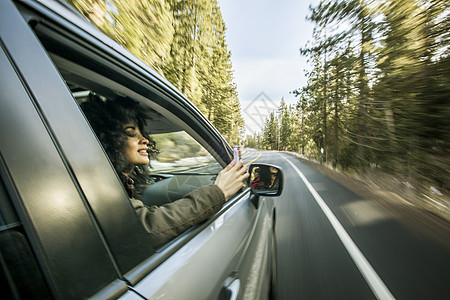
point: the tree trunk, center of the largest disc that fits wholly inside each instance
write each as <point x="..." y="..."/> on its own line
<point x="336" y="124"/>
<point x="362" y="91"/>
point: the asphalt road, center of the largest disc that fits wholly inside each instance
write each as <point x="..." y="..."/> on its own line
<point x="332" y="244"/>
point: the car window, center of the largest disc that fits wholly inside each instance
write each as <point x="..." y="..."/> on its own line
<point x="182" y="160"/>
<point x="177" y="157"/>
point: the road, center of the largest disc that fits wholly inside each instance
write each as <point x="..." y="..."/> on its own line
<point x="332" y="244"/>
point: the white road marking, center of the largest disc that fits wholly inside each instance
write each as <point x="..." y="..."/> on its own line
<point x="374" y="281"/>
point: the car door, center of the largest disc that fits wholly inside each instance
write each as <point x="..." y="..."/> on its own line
<point x="229" y="254"/>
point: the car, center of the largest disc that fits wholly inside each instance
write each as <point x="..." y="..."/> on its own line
<point x="67" y="227"/>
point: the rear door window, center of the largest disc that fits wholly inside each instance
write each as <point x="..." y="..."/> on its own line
<point x="20" y="274"/>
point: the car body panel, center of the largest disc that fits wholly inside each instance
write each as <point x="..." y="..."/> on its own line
<point x="209" y="258"/>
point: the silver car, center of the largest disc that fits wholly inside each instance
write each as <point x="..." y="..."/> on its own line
<point x="67" y="228"/>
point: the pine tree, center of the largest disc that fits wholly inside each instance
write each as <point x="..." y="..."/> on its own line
<point x="382" y="85"/>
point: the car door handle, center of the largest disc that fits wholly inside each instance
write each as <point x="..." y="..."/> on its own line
<point x="230" y="290"/>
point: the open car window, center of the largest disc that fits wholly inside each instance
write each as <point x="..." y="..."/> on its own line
<point x="181" y="160"/>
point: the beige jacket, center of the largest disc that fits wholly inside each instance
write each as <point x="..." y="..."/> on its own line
<point x="165" y="222"/>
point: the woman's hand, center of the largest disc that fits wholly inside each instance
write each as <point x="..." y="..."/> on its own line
<point x="231" y="179"/>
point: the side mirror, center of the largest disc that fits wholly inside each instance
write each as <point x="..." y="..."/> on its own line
<point x="265" y="180"/>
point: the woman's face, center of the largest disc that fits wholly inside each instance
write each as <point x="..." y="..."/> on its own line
<point x="136" y="146"/>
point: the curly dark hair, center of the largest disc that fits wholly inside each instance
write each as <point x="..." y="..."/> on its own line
<point x="266" y="179"/>
<point x="107" y="118"/>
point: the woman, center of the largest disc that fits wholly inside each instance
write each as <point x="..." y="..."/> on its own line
<point x="265" y="179"/>
<point x="120" y="125"/>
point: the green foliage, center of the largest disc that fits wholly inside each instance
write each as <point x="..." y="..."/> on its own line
<point x="143" y="27"/>
<point x="271" y="131"/>
<point x="378" y="91"/>
<point x="183" y="40"/>
<point x="177" y="145"/>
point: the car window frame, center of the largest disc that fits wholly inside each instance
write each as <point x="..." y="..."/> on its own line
<point x="157" y="94"/>
<point x="165" y="106"/>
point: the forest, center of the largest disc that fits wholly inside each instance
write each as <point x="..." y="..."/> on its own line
<point x="184" y="41"/>
<point x="377" y="93"/>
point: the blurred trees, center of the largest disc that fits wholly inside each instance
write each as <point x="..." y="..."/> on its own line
<point x="378" y="91"/>
<point x="183" y="40"/>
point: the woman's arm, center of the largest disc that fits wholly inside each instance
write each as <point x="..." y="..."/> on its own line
<point x="165" y="222"/>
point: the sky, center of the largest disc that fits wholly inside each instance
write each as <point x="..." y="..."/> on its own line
<point x="264" y="37"/>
